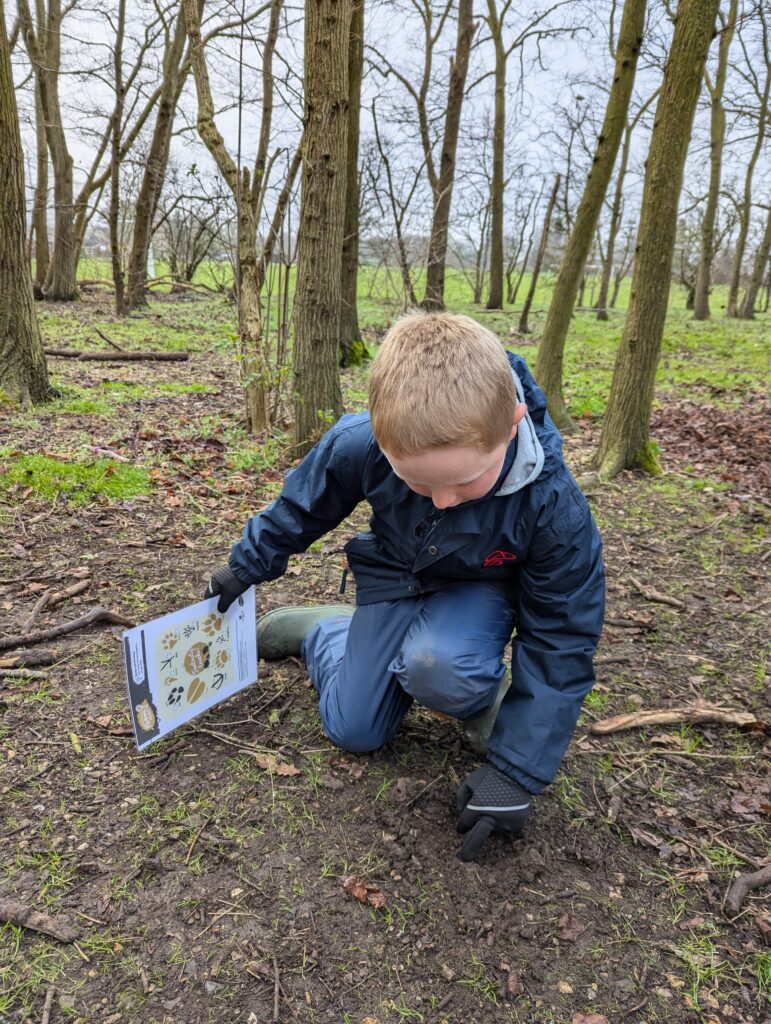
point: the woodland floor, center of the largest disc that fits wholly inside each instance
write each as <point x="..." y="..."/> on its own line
<point x="205" y="889"/>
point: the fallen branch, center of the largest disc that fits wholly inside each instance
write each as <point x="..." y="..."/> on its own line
<point x="116" y="357"/>
<point x="23" y="659"/>
<point x="745" y="884"/>
<point x="672" y="716"/>
<point x="97" y="614"/>
<point x="23" y="916"/>
<point x="655" y="595"/>
<point x="22" y="673"/>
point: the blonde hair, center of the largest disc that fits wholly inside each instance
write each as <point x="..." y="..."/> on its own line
<point x="440" y="379"/>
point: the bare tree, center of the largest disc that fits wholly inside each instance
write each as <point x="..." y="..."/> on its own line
<point x="73" y="212"/>
<point x="716" y="89"/>
<point x="398" y="202"/>
<point x="625" y="435"/>
<point x="760" y="264"/>
<point x="174" y="71"/>
<point x="617" y="208"/>
<point x="318" y="297"/>
<point x="441" y="173"/>
<point x="533" y="29"/>
<point x="350" y="335"/>
<point x="524" y="315"/>
<point x="549" y="364"/>
<point x="248" y="191"/>
<point x="760" y="86"/>
<point x="23" y="373"/>
<point x="119" y="29"/>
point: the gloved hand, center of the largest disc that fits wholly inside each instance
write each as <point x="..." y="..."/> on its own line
<point x="225" y="583"/>
<point x="489" y="801"/>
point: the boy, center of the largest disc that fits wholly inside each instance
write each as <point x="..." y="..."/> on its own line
<point x="477" y="530"/>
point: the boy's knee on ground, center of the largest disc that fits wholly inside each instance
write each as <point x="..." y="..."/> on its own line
<point x="444" y="679"/>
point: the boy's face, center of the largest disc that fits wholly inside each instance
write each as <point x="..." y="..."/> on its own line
<point x="451" y="475"/>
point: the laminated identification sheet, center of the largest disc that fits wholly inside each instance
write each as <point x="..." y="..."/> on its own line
<point x="184" y="663"/>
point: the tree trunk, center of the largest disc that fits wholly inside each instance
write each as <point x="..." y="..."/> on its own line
<point x="745" y="207"/>
<point x="23" y="373"/>
<point x="40" y="203"/>
<point x="155" y="167"/>
<point x="523" y="327"/>
<point x="318" y="401"/>
<point x="61" y="279"/>
<point x="349" y="317"/>
<point x="717" y="137"/>
<point x="747" y="311"/>
<point x="117" y="121"/>
<point x="495" y="298"/>
<point x="437" y="246"/>
<point x="551" y="350"/>
<point x="625" y="435"/>
<point x="512" y="292"/>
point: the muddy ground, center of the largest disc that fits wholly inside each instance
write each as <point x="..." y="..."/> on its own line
<point x="203" y="888"/>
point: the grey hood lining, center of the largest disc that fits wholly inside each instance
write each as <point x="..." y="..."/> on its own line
<point x="528" y="462"/>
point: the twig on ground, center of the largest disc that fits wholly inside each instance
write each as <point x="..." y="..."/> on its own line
<point x="38" y="607"/>
<point x="49" y="1002"/>
<point x="745" y="884"/>
<point x="650" y="594"/>
<point x="18" y="913"/>
<point x="276" y="989"/>
<point x="71" y="591"/>
<point x="97" y="614"/>
<point x="196" y="837"/>
<point x="671" y="716"/>
<point x="109" y="341"/>
<point x="629" y="624"/>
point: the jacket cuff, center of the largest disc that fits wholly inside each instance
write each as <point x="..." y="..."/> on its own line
<point x="534" y="786"/>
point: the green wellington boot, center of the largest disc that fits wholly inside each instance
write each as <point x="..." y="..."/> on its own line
<point x="281" y="631"/>
<point x="477" y="730"/>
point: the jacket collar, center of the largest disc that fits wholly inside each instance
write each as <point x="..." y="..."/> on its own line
<point x="529" y="454"/>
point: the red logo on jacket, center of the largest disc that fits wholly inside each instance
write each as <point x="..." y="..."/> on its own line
<point x="498" y="558"/>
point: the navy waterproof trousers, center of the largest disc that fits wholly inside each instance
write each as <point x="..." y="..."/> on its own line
<point x="444" y="650"/>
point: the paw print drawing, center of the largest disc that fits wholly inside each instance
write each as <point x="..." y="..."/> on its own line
<point x="175" y="696"/>
<point x="221" y="659"/>
<point x="212" y="624"/>
<point x="169" y="641"/>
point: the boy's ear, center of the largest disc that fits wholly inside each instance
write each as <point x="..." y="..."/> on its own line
<point x="519" y="413"/>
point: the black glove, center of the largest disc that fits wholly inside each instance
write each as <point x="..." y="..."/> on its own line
<point x="229" y="587"/>
<point x="489" y="801"/>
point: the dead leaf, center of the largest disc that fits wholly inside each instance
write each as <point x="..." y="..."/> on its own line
<point x="365" y="892"/>
<point x="570" y="928"/>
<point x="589" y="1018"/>
<point x="103" y="721"/>
<point x="270" y="763"/>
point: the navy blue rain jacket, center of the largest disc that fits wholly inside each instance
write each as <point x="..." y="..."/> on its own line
<point x="532" y="535"/>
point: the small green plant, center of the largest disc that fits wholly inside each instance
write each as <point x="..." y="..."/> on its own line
<point x="480" y="982"/>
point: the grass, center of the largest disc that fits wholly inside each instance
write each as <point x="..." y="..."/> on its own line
<point x="78" y="483"/>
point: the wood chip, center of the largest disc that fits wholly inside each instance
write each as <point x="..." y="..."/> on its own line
<point x="15" y="912"/>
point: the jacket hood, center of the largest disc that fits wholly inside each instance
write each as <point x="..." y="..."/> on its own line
<point x="538" y="443"/>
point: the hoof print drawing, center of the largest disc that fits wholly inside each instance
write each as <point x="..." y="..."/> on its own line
<point x="197" y="658"/>
<point x="212" y="624"/>
<point x="195" y="691"/>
